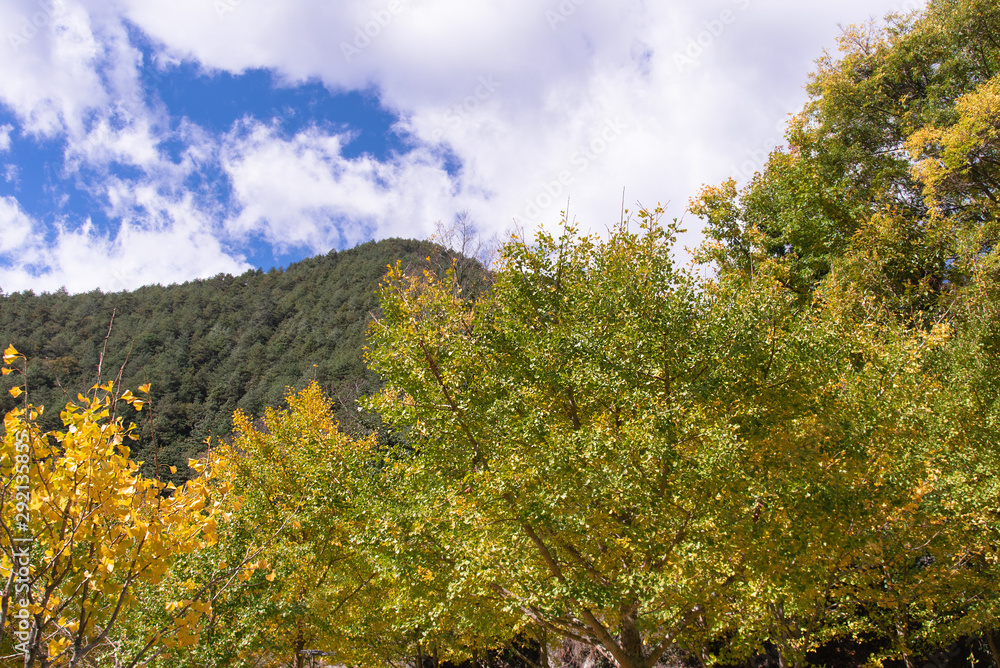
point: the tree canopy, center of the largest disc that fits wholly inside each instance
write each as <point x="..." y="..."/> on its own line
<point x="211" y="347"/>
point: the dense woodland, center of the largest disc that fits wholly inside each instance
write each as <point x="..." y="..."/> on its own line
<point x="785" y="454"/>
<point x="210" y="347"/>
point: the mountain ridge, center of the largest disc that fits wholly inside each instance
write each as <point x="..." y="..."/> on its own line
<point x="212" y="346"/>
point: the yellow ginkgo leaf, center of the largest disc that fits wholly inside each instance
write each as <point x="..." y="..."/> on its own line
<point x="144" y="388"/>
<point x="16" y="391"/>
<point x="10" y="354"/>
<point x="270" y="577"/>
<point x="6" y="371"/>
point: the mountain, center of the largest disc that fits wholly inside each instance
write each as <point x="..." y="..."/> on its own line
<point x="209" y="347"/>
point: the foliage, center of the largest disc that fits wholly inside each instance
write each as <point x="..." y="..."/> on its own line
<point x="846" y="187"/>
<point x="636" y="458"/>
<point x="795" y="451"/>
<point x="82" y="528"/>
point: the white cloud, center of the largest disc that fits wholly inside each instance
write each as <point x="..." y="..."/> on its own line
<point x="5" y="131"/>
<point x="50" y="65"/>
<point x="71" y="73"/>
<point x="561" y="79"/>
<point x="538" y="101"/>
<point x="16" y="226"/>
<point x="83" y="259"/>
<point x="301" y="192"/>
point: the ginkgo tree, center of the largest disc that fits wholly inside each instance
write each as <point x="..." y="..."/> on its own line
<point x="636" y="457"/>
<point x="564" y="421"/>
<point x="325" y="554"/>
<point x="310" y="584"/>
<point x="81" y="527"/>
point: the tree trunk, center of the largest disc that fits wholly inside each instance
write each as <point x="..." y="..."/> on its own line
<point x="631" y="640"/>
<point x="300" y="644"/>
<point x="994" y="650"/>
<point x="903" y="643"/>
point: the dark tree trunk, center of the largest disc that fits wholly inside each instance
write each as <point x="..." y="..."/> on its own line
<point x="994" y="650"/>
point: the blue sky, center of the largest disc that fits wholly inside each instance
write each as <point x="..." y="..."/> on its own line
<point x="144" y="142"/>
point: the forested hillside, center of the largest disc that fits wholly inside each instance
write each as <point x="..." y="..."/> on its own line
<point x="208" y="347"/>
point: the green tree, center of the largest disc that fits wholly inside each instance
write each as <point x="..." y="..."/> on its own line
<point x="321" y="552"/>
<point x="916" y="87"/>
<point x="636" y="458"/>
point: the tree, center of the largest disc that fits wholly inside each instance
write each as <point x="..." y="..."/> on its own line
<point x="636" y="458"/>
<point x="81" y="528"/>
<point x="330" y="556"/>
<point x="548" y="438"/>
<point x="915" y="88"/>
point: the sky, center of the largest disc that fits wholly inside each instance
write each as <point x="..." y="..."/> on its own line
<point x="145" y="141"/>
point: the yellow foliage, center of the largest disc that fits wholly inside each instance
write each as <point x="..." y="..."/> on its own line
<point x="95" y="526"/>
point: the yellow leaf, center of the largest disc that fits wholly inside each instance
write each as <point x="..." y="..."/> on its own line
<point x="58" y="645"/>
<point x="269" y="577"/>
<point x="10" y="354"/>
<point x="144" y="388"/>
<point x="16" y="391"/>
<point x="6" y="371"/>
<point x="173" y="469"/>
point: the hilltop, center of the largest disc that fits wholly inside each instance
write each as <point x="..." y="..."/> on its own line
<point x="209" y="347"/>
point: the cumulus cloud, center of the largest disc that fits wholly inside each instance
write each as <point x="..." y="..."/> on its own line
<point x="84" y="258"/>
<point x="508" y="109"/>
<point x="702" y="88"/>
<point x="16" y="225"/>
<point x="302" y="192"/>
<point x="50" y="65"/>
